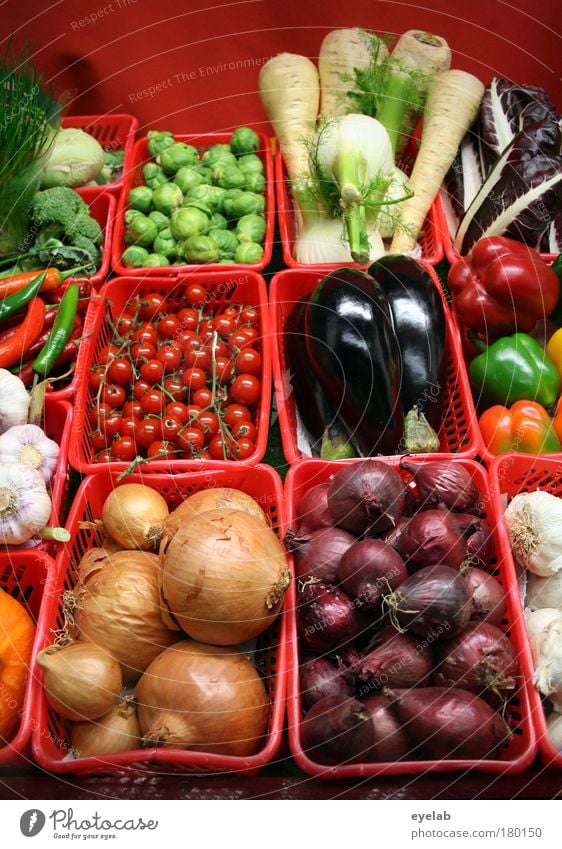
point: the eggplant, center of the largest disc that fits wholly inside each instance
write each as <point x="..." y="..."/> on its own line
<point x="354" y="353"/>
<point x="331" y="440"/>
<point x="419" y="323"/>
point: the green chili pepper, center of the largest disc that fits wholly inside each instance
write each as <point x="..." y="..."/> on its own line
<point x="58" y="337"/>
<point x="13" y="303"/>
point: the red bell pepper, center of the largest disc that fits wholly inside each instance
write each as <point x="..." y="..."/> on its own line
<point x="502" y="287"/>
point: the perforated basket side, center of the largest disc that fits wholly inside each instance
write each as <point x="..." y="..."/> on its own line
<point x="113" y="132"/>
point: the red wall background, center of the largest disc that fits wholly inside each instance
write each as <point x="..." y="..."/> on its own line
<point x="193" y="65"/>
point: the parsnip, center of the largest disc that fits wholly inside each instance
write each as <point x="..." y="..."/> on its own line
<point x="452" y="106"/>
<point x="341" y="52"/>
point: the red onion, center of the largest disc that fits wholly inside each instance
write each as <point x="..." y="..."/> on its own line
<point x="488" y="599"/>
<point x="320" y="678"/>
<point x="368" y="569"/>
<point x="434" y="602"/>
<point x="449" y="723"/>
<point x="337" y="731"/>
<point x="443" y="481"/>
<point x="391" y="741"/>
<point x="480" y="658"/>
<point x="410" y="501"/>
<point x="432" y="537"/>
<point x="479" y="544"/>
<point x="314" y="512"/>
<point x="366" y="497"/>
<point x="394" y="535"/>
<point x="398" y="660"/>
<point x="326" y="617"/>
<point x="319" y="556"/>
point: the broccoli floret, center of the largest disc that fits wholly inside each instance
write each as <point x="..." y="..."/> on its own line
<point x="59" y="205"/>
<point x="85" y="226"/>
<point x="88" y="245"/>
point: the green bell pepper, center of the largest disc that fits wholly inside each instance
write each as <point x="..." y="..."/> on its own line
<point x="556" y="316"/>
<point x="514" y="368"/>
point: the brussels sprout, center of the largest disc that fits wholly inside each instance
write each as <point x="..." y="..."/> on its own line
<point x="250" y="228"/>
<point x="228" y="200"/>
<point x="141" y="231"/>
<point x="161" y="220"/>
<point x="228" y="176"/>
<point x="187" y="179"/>
<point x="159" y="140"/>
<point x="167" y="197"/>
<point x="213" y="196"/>
<point x="248" y="253"/>
<point x="198" y="204"/>
<point x="225" y="239"/>
<point x="218" y="153"/>
<point x="140" y="198"/>
<point x="204" y="170"/>
<point x="131" y="214"/>
<point x="165" y="244"/>
<point x="201" y="249"/>
<point x="244" y="140"/>
<point x="134" y="257"/>
<point x="248" y="203"/>
<point x="188" y="221"/>
<point x="177" y="156"/>
<point x="153" y="175"/>
<point x="255" y="182"/>
<point x="218" y="221"/>
<point x="155" y="260"/>
<point x="250" y="164"/>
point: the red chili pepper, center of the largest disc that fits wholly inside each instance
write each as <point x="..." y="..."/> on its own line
<point x="9" y="285"/>
<point x="15" y="348"/>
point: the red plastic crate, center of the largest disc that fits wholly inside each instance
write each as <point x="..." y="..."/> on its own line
<point x="240" y="286"/>
<point x="459" y="433"/>
<point x="509" y="475"/>
<point x="102" y="208"/>
<point x="522" y="746"/>
<point x="28" y="576"/>
<point x="430" y="243"/>
<point x="51" y="733"/>
<point x="134" y="178"/>
<point x="112" y="132"/>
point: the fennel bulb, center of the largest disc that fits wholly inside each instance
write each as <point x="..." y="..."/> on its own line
<point x="325" y="241"/>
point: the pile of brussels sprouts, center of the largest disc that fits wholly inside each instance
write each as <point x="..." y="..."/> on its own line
<point x="197" y="209"/>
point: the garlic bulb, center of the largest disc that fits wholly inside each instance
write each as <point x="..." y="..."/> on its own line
<point x="27" y="444"/>
<point x="25" y="505"/>
<point x="554" y="726"/>
<point x="534" y="525"/>
<point x="14" y="400"/>
<point x="536" y="622"/>
<point x="544" y="592"/>
<point x="547" y="650"/>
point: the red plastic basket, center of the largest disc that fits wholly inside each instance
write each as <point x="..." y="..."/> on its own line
<point x="522" y="746"/>
<point x="112" y="132"/>
<point x="102" y="208"/>
<point x="432" y="249"/>
<point x="459" y="433"/>
<point x="134" y="178"/>
<point x="29" y="577"/>
<point x="509" y="475"/>
<point x="240" y="286"/>
<point x="51" y="733"/>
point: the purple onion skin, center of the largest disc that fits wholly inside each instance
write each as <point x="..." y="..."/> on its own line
<point x="391" y="741"/>
<point x="478" y="659"/>
<point x="443" y="482"/>
<point x="434" y="602"/>
<point x="319" y="557"/>
<point x="410" y="502"/>
<point x="314" y="512"/>
<point x="367" y="571"/>
<point x="393" y="536"/>
<point x="449" y="723"/>
<point x="432" y="537"/>
<point x="320" y="678"/>
<point x="337" y="731"/>
<point x="366" y="497"/>
<point x="488" y="598"/>
<point x="326" y="617"/>
<point x="397" y="660"/>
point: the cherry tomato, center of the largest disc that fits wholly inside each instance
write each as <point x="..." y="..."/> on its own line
<point x="222" y="395"/>
<point x="151" y="305"/>
<point x="190" y="438"/>
<point x="195" y="294"/>
<point x="233" y="311"/>
<point x="153" y="402"/>
<point x="203" y="397"/>
<point x="107" y="353"/>
<point x="120" y="371"/>
<point x="169" y="356"/>
<point x="188" y="318"/>
<point x="244" y="429"/>
<point x="148" y="430"/>
<point x="145" y="333"/>
<point x="223" y="366"/>
<point x="194" y="378"/>
<point x="206" y="329"/>
<point x="198" y="358"/>
<point x="236" y="413"/>
<point x="239" y="340"/>
<point x="99" y="440"/>
<point x="128" y="425"/>
<point x="204" y="454"/>
<point x="110" y="425"/>
<point x="246" y="389"/>
<point x="152" y="371"/>
<point x="142" y="351"/>
<point x="209" y="422"/>
<point x="140" y="388"/>
<point x="184" y="337"/>
<point x="221" y="348"/>
<point x="104" y="456"/>
<point x="123" y="448"/>
<point x="125" y="324"/>
<point x="249" y="315"/>
<point x="168" y="326"/>
<point x="193" y="411"/>
<point x="158" y="448"/>
<point x="224" y="325"/>
<point x="174" y="387"/>
<point x="243" y="448"/>
<point x="248" y="361"/>
<point x="170" y="428"/>
<point x="96" y="377"/>
<point x="178" y="411"/>
<point x="218" y="447"/>
<point x="104" y="410"/>
<point x="134" y="409"/>
<point x="113" y="395"/>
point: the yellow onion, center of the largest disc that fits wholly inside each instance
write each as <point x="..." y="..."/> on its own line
<point x="133" y="515"/>
<point x="201" y="697"/>
<point x="117" y="730"/>
<point x="92" y="561"/>
<point x="224" y="575"/>
<point x="119" y="609"/>
<point x="217" y="498"/>
<point x="81" y="681"/>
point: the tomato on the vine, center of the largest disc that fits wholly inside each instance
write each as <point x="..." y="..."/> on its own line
<point x="244" y="429"/>
<point x="152" y="371"/>
<point x="184" y="338"/>
<point x="96" y="377"/>
<point x="120" y="371"/>
<point x="188" y="318"/>
<point x="248" y="361"/>
<point x="236" y="413"/>
<point x="113" y="395"/>
<point x="147" y="431"/>
<point x="110" y="425"/>
<point x="107" y="353"/>
<point x="198" y="358"/>
<point x="218" y="447"/>
<point x="132" y="409"/>
<point x="99" y="440"/>
<point x="243" y="448"/>
<point x="140" y="388"/>
<point x="190" y="438"/>
<point x="195" y="294"/>
<point x="153" y="402"/>
<point x="246" y="389"/>
<point x="128" y="425"/>
<point x="239" y="340"/>
<point x="170" y="428"/>
<point x="202" y="396"/>
<point x="158" y="448"/>
<point x="168" y="326"/>
<point x="145" y="333"/>
<point x="224" y="325"/>
<point x="142" y="351"/>
<point x="169" y="356"/>
<point x="151" y="305"/>
<point x="223" y="369"/>
<point x="249" y="315"/>
<point x="104" y="456"/>
<point x="174" y="386"/>
<point x="104" y="410"/>
<point x="194" y="378"/>
<point x="125" y="324"/>
<point x="178" y="411"/>
<point x="209" y="421"/>
<point x="123" y="448"/>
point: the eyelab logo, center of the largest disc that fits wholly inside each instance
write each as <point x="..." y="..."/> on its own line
<point x="32" y="822"/>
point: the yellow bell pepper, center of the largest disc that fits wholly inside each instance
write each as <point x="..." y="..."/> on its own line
<point x="554" y="350"/>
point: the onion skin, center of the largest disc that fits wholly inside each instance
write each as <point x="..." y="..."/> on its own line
<point x="314" y="512"/>
<point x="224" y="576"/>
<point x="320" y="678"/>
<point x="480" y="658"/>
<point x="366" y="497"/>
<point x="443" y="482"/>
<point x="204" y="698"/>
<point x="326" y="617"/>
<point x="434" y="602"/>
<point x="391" y="740"/>
<point x="398" y="660"/>
<point x="393" y="536"/>
<point x="488" y="598"/>
<point x="215" y="498"/>
<point x="337" y="731"/>
<point x="320" y="555"/>
<point x="479" y="543"/>
<point x="449" y="723"/>
<point x="431" y="538"/>
<point x="368" y="569"/>
<point x="133" y="516"/>
<point x="117" y="730"/>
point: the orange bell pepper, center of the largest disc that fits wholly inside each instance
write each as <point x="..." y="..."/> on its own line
<point x="525" y="428"/>
<point x="558" y="420"/>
